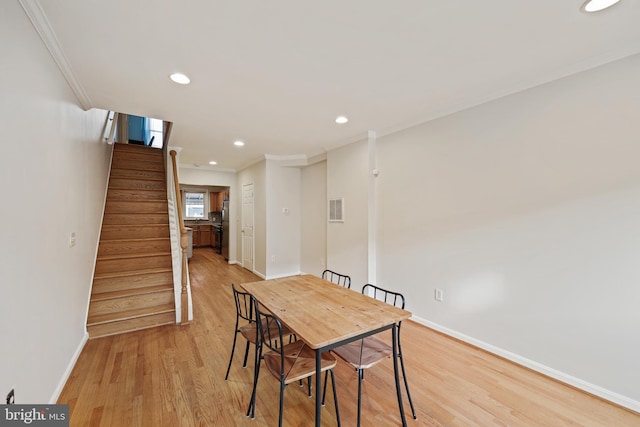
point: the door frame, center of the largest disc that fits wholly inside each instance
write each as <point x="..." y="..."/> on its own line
<point x="253" y="228"/>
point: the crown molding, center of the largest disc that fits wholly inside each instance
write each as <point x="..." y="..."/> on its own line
<point x="36" y="15"/>
<point x="297" y="160"/>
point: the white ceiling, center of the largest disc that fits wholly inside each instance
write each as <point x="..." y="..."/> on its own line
<point x="276" y="73"/>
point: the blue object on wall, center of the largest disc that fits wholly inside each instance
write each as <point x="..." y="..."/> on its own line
<point x="136" y="129"/>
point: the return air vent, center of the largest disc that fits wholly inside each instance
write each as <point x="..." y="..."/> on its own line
<point x="336" y="210"/>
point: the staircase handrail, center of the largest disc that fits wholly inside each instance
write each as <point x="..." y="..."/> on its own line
<point x="184" y="240"/>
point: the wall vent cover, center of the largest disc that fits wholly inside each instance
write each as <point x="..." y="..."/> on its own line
<point x="336" y="210"/>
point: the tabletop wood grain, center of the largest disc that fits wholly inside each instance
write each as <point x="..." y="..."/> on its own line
<point x="320" y="312"/>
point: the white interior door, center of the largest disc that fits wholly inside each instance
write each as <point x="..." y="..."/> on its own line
<point x="247" y="226"/>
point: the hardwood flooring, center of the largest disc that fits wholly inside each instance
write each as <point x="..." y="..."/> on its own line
<point x="174" y="376"/>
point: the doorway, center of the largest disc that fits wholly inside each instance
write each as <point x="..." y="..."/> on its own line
<point x="247" y="226"/>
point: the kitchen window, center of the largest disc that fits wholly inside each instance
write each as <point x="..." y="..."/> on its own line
<point x="194" y="204"/>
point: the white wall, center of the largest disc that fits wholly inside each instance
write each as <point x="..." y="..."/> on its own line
<point x="256" y="175"/>
<point x="207" y="177"/>
<point x="526" y="212"/>
<point x="313" y="238"/>
<point x="347" y="177"/>
<point x="54" y="172"/>
<point x="283" y="228"/>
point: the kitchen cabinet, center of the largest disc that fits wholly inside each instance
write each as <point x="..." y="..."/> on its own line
<point x="216" y="199"/>
<point x="205" y="235"/>
<point x="195" y="236"/>
<point x="201" y="235"/>
<point x="213" y="201"/>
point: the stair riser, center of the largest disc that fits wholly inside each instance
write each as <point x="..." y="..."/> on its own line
<point x="131" y="325"/>
<point x="137" y="175"/>
<point x="132" y="220"/>
<point x="126" y="247"/>
<point x="135" y="207"/>
<point x="111" y="284"/>
<point x="128" y="184"/>
<point x="139" y="155"/>
<point x="134" y="232"/>
<point x="131" y="194"/>
<point x="122" y="163"/>
<point x="131" y="302"/>
<point x="124" y="264"/>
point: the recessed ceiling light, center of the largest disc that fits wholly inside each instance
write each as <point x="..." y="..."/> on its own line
<point x="213" y="163"/>
<point x="180" y="78"/>
<point x="238" y="143"/>
<point x="597" y="5"/>
<point x="342" y="120"/>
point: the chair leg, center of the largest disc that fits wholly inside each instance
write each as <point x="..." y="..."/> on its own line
<point x="324" y="388"/>
<point x="256" y="373"/>
<point x="281" y="404"/>
<point x="406" y="386"/>
<point x="335" y="395"/>
<point x="233" y="348"/>
<point x="360" y="378"/>
<point x="309" y="386"/>
<point x="246" y="355"/>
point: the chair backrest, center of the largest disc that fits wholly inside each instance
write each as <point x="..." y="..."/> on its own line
<point x="270" y="330"/>
<point x="337" y="278"/>
<point x="390" y="297"/>
<point x="244" y="305"/>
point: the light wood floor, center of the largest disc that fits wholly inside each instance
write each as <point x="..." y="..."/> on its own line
<point x="174" y="376"/>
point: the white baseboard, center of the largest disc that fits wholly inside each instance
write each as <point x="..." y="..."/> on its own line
<point x="279" y="276"/>
<point x="67" y="372"/>
<point x="538" y="367"/>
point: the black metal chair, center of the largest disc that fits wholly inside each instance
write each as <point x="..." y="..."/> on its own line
<point x="289" y="363"/>
<point x="245" y="314"/>
<point x="337" y="278"/>
<point x="367" y="352"/>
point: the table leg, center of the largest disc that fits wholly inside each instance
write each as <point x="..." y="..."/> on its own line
<point x="394" y="334"/>
<point x="318" y="391"/>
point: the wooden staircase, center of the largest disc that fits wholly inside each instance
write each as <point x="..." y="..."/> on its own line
<point x="133" y="279"/>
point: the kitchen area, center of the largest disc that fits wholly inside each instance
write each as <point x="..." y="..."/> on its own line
<point x="206" y="217"/>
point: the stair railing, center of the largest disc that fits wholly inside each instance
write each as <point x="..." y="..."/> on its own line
<point x="112" y="120"/>
<point x="184" y="240"/>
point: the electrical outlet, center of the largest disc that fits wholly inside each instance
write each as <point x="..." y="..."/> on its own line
<point x="11" y="397"/>
<point x="439" y="295"/>
<point x="72" y="239"/>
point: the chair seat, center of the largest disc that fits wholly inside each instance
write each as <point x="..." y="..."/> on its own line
<point x="364" y="353"/>
<point x="249" y="332"/>
<point x="299" y="362"/>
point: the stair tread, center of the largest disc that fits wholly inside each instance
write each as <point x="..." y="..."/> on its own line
<point x="135" y="239"/>
<point x="129" y="314"/>
<point x="115" y="226"/>
<point x="131" y="256"/>
<point x="131" y="325"/>
<point x="101" y="296"/>
<point x="137" y="201"/>
<point x="131" y="273"/>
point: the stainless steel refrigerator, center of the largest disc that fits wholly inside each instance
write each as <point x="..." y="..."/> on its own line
<point x="225" y="229"/>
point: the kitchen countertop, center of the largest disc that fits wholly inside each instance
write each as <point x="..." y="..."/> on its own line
<point x="191" y="223"/>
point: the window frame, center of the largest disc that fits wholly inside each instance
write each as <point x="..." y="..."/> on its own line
<point x="204" y="193"/>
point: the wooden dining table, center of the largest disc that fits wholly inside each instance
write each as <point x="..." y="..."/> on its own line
<point x="326" y="316"/>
